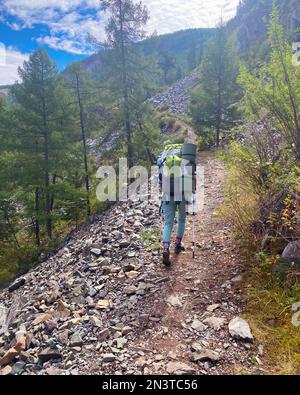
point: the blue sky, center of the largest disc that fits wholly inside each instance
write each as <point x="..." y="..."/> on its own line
<point x="62" y="26"/>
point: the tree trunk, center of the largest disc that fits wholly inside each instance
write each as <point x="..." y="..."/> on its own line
<point x="219" y="112"/>
<point x="52" y="195"/>
<point x="85" y="157"/>
<point x="37" y="214"/>
<point x="46" y="171"/>
<point x="125" y="91"/>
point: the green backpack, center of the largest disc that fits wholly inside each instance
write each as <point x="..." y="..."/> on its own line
<point x="170" y="165"/>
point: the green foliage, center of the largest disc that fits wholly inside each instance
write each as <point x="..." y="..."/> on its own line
<point x="213" y="104"/>
<point x="151" y="239"/>
<point x="262" y="196"/>
<point x="177" y="45"/>
<point x="192" y="57"/>
<point x="42" y="169"/>
<point x="206" y="140"/>
<point x="276" y="87"/>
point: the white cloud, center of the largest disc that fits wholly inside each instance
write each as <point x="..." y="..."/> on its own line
<point x="70" y="21"/>
<point x="167" y="16"/>
<point x="10" y="60"/>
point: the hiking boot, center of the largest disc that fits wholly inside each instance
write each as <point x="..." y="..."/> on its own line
<point x="179" y="248"/>
<point x="166" y="258"/>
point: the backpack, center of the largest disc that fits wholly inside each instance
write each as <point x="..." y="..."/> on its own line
<point x="171" y="172"/>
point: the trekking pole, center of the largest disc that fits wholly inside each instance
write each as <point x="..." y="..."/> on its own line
<point x="194" y="244"/>
<point x="161" y="225"/>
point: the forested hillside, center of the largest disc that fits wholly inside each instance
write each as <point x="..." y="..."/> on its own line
<point x="177" y="54"/>
<point x="250" y="26"/>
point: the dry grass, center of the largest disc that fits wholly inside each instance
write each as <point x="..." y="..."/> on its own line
<point x="269" y="311"/>
<point x="271" y="288"/>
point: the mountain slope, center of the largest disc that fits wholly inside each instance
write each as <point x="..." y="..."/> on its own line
<point x="250" y="25"/>
<point x="176" y="45"/>
<point x="104" y="304"/>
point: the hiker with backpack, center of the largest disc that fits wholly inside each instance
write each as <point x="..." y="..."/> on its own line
<point x="177" y="176"/>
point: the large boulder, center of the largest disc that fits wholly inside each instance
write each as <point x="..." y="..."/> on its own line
<point x="239" y="329"/>
<point x="292" y="252"/>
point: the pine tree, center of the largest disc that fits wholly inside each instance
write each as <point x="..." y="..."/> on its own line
<point x="192" y="57"/>
<point x="43" y="127"/>
<point x="167" y="63"/>
<point x="213" y="104"/>
<point x="124" y="28"/>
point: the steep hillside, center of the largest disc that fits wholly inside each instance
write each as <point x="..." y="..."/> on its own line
<point x="176" y="45"/>
<point x="250" y="25"/>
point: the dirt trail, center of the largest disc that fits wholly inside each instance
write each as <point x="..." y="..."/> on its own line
<point x="196" y="300"/>
<point x="194" y="286"/>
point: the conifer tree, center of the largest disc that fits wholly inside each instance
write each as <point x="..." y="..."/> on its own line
<point x="213" y="104"/>
<point x="42" y="123"/>
<point x="124" y="28"/>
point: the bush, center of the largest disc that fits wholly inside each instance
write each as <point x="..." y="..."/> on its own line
<point x="261" y="187"/>
<point x="206" y="141"/>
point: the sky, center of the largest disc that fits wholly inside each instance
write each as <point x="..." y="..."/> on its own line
<point x="62" y="26"/>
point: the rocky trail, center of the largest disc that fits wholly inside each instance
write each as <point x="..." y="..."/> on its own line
<point x="105" y="304"/>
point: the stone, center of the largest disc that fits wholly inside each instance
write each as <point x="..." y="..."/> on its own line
<point x="174" y="301"/>
<point x="104" y="334"/>
<point x="63" y="337"/>
<point x="6" y="371"/>
<point x="51" y="326"/>
<point x="212" y="308"/>
<point x="121" y="342"/>
<point x="196" y="347"/>
<point x="104" y="304"/>
<point x="124" y="243"/>
<point x="76" y="340"/>
<point x="41" y="318"/>
<point x="8" y="356"/>
<point x="215" y="323"/>
<point x="237" y="279"/>
<point x="205" y="355"/>
<point x="17" y="284"/>
<point x="18" y="367"/>
<point x="96" y="321"/>
<point x="261" y="350"/>
<point x="126" y="330"/>
<point x="179" y="368"/>
<point x="292" y="252"/>
<point x="106" y="358"/>
<point x="130" y="290"/>
<point x="132" y="275"/>
<point x="129" y="267"/>
<point x="198" y="326"/>
<point x="49" y="354"/>
<point x="21" y="333"/>
<point x="21" y="343"/>
<point x="141" y="361"/>
<point x="96" y="252"/>
<point x="53" y="371"/>
<point x="3" y="319"/>
<point x="240" y="329"/>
